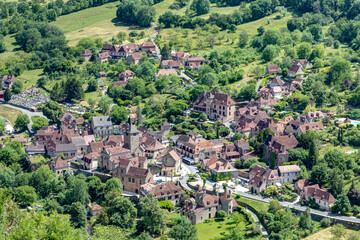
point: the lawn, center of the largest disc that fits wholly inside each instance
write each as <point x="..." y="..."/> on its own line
<point x="10" y="46"/>
<point x="9" y="113"/>
<point x="255" y="204"/>
<point x="214" y="228"/>
<point x="325" y="234"/>
<point x="30" y="77"/>
<point x="95" y="22"/>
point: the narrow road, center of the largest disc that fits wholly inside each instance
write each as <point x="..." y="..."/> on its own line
<point x="258" y="85"/>
<point x="153" y="38"/>
<point x="24" y="111"/>
<point x="256" y="219"/>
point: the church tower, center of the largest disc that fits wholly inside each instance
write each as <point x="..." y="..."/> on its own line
<point x="132" y="138"/>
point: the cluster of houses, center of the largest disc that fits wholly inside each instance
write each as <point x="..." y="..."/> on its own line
<point x="134" y="52"/>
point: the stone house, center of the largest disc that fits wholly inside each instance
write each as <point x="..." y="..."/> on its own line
<point x="94" y="209"/>
<point x="102" y="126"/>
<point x="59" y="166"/>
<point x="103" y="57"/>
<point x="317" y="126"/>
<point x="322" y="197"/>
<point x="170" y="64"/>
<point x="106" y="47"/>
<point x="194" y="62"/>
<point x="272" y="69"/>
<point x="91" y="160"/>
<point x="216" y="106"/>
<point x="206" y="206"/>
<point x="86" y="54"/>
<point x="219" y="167"/>
<point x="128" y="49"/>
<point x="170" y="161"/>
<point x="260" y="177"/>
<point x="276" y="92"/>
<point x="170" y="191"/>
<point x="69" y="150"/>
<point x="126" y="75"/>
<point x="133" y="58"/>
<point x="8" y="80"/>
<point x="180" y="56"/>
<point x="276" y="149"/>
<point x="148" y="47"/>
<point x="132" y="177"/>
<point x="294" y="70"/>
<point x="165" y="72"/>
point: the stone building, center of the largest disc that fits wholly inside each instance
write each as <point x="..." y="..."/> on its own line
<point x="276" y="149"/>
<point x="102" y="126"/>
<point x="217" y="106"/>
<point x="170" y="191"/>
<point x="206" y="206"/>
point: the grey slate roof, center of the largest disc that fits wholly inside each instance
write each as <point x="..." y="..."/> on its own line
<point x="102" y="121"/>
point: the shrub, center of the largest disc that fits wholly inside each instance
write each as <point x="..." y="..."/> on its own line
<point x="325" y="222"/>
<point x="221" y="214"/>
<point x="166" y="205"/>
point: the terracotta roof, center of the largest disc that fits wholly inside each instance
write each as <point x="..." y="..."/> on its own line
<point x="272" y="68"/>
<point x="257" y="171"/>
<point x="126" y="73"/>
<point x="166" y="72"/>
<point x="218" y="98"/>
<point x="86" y="52"/>
<point x="320" y="194"/>
<point x="96" y="146"/>
<point x="120" y="83"/>
<point x="162" y="190"/>
<point x="136" y="56"/>
<point x="91" y="156"/>
<point x="282" y="143"/>
<point x="107" y="46"/>
<point x="148" y="45"/>
<point x="294" y="69"/>
<point x="171" y="63"/>
<point x="9" y="78"/>
<point x="196" y="59"/>
<point x="137" y="172"/>
<point x="302" y="183"/>
<point x="104" y="55"/>
<point x="59" y="163"/>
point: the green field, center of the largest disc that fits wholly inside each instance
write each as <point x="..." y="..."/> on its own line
<point x="9" y="113"/>
<point x="30" y="77"/>
<point x="95" y="22"/>
<point x="10" y="45"/>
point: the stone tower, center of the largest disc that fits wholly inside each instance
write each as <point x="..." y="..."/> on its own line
<point x="132" y="138"/>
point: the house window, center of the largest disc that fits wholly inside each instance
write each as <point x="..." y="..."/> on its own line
<point x="129" y="179"/>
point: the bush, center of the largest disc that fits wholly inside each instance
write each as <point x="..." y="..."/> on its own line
<point x="325" y="222"/>
<point x="166" y="205"/>
<point x="221" y="214"/>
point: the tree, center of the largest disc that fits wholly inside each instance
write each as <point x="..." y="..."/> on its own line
<point x="271" y="191"/>
<point x="272" y="37"/>
<point x="354" y="194"/>
<point x="320" y="174"/>
<point x="7" y="95"/>
<point x="335" y="158"/>
<point x="122" y="213"/>
<point x="104" y="104"/>
<point x="145" y="71"/>
<point x="338" y="231"/>
<point x="342" y="205"/>
<point x="236" y="233"/>
<point x="16" y="87"/>
<point x="247" y="92"/>
<point x="153" y="218"/>
<point x="119" y="114"/>
<point x="269" y="53"/>
<point x="73" y="89"/>
<point x="313" y="154"/>
<point x="77" y="190"/>
<point x="41" y="179"/>
<point x="145" y="16"/>
<point x="221" y="215"/>
<point x="316" y="31"/>
<point x="96" y="188"/>
<point x="274" y="206"/>
<point x="165" y="52"/>
<point x="202" y="6"/>
<point x="243" y="39"/>
<point x="22" y="122"/>
<point x="114" y="184"/>
<point x="109" y="232"/>
<point x="305" y="220"/>
<point x="39" y="122"/>
<point x="52" y="110"/>
<point x="238" y="164"/>
<point x="202" y="117"/>
<point x="25" y="195"/>
<point x="92" y="85"/>
<point x="339" y="71"/>
<point x="237" y="136"/>
<point x="183" y="230"/>
<point x="166" y="204"/>
<point x="121" y="36"/>
<point x="78" y="215"/>
<point x="2" y="46"/>
<point x="304" y="50"/>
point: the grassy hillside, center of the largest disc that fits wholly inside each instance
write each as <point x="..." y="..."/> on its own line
<point x="325" y="234"/>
